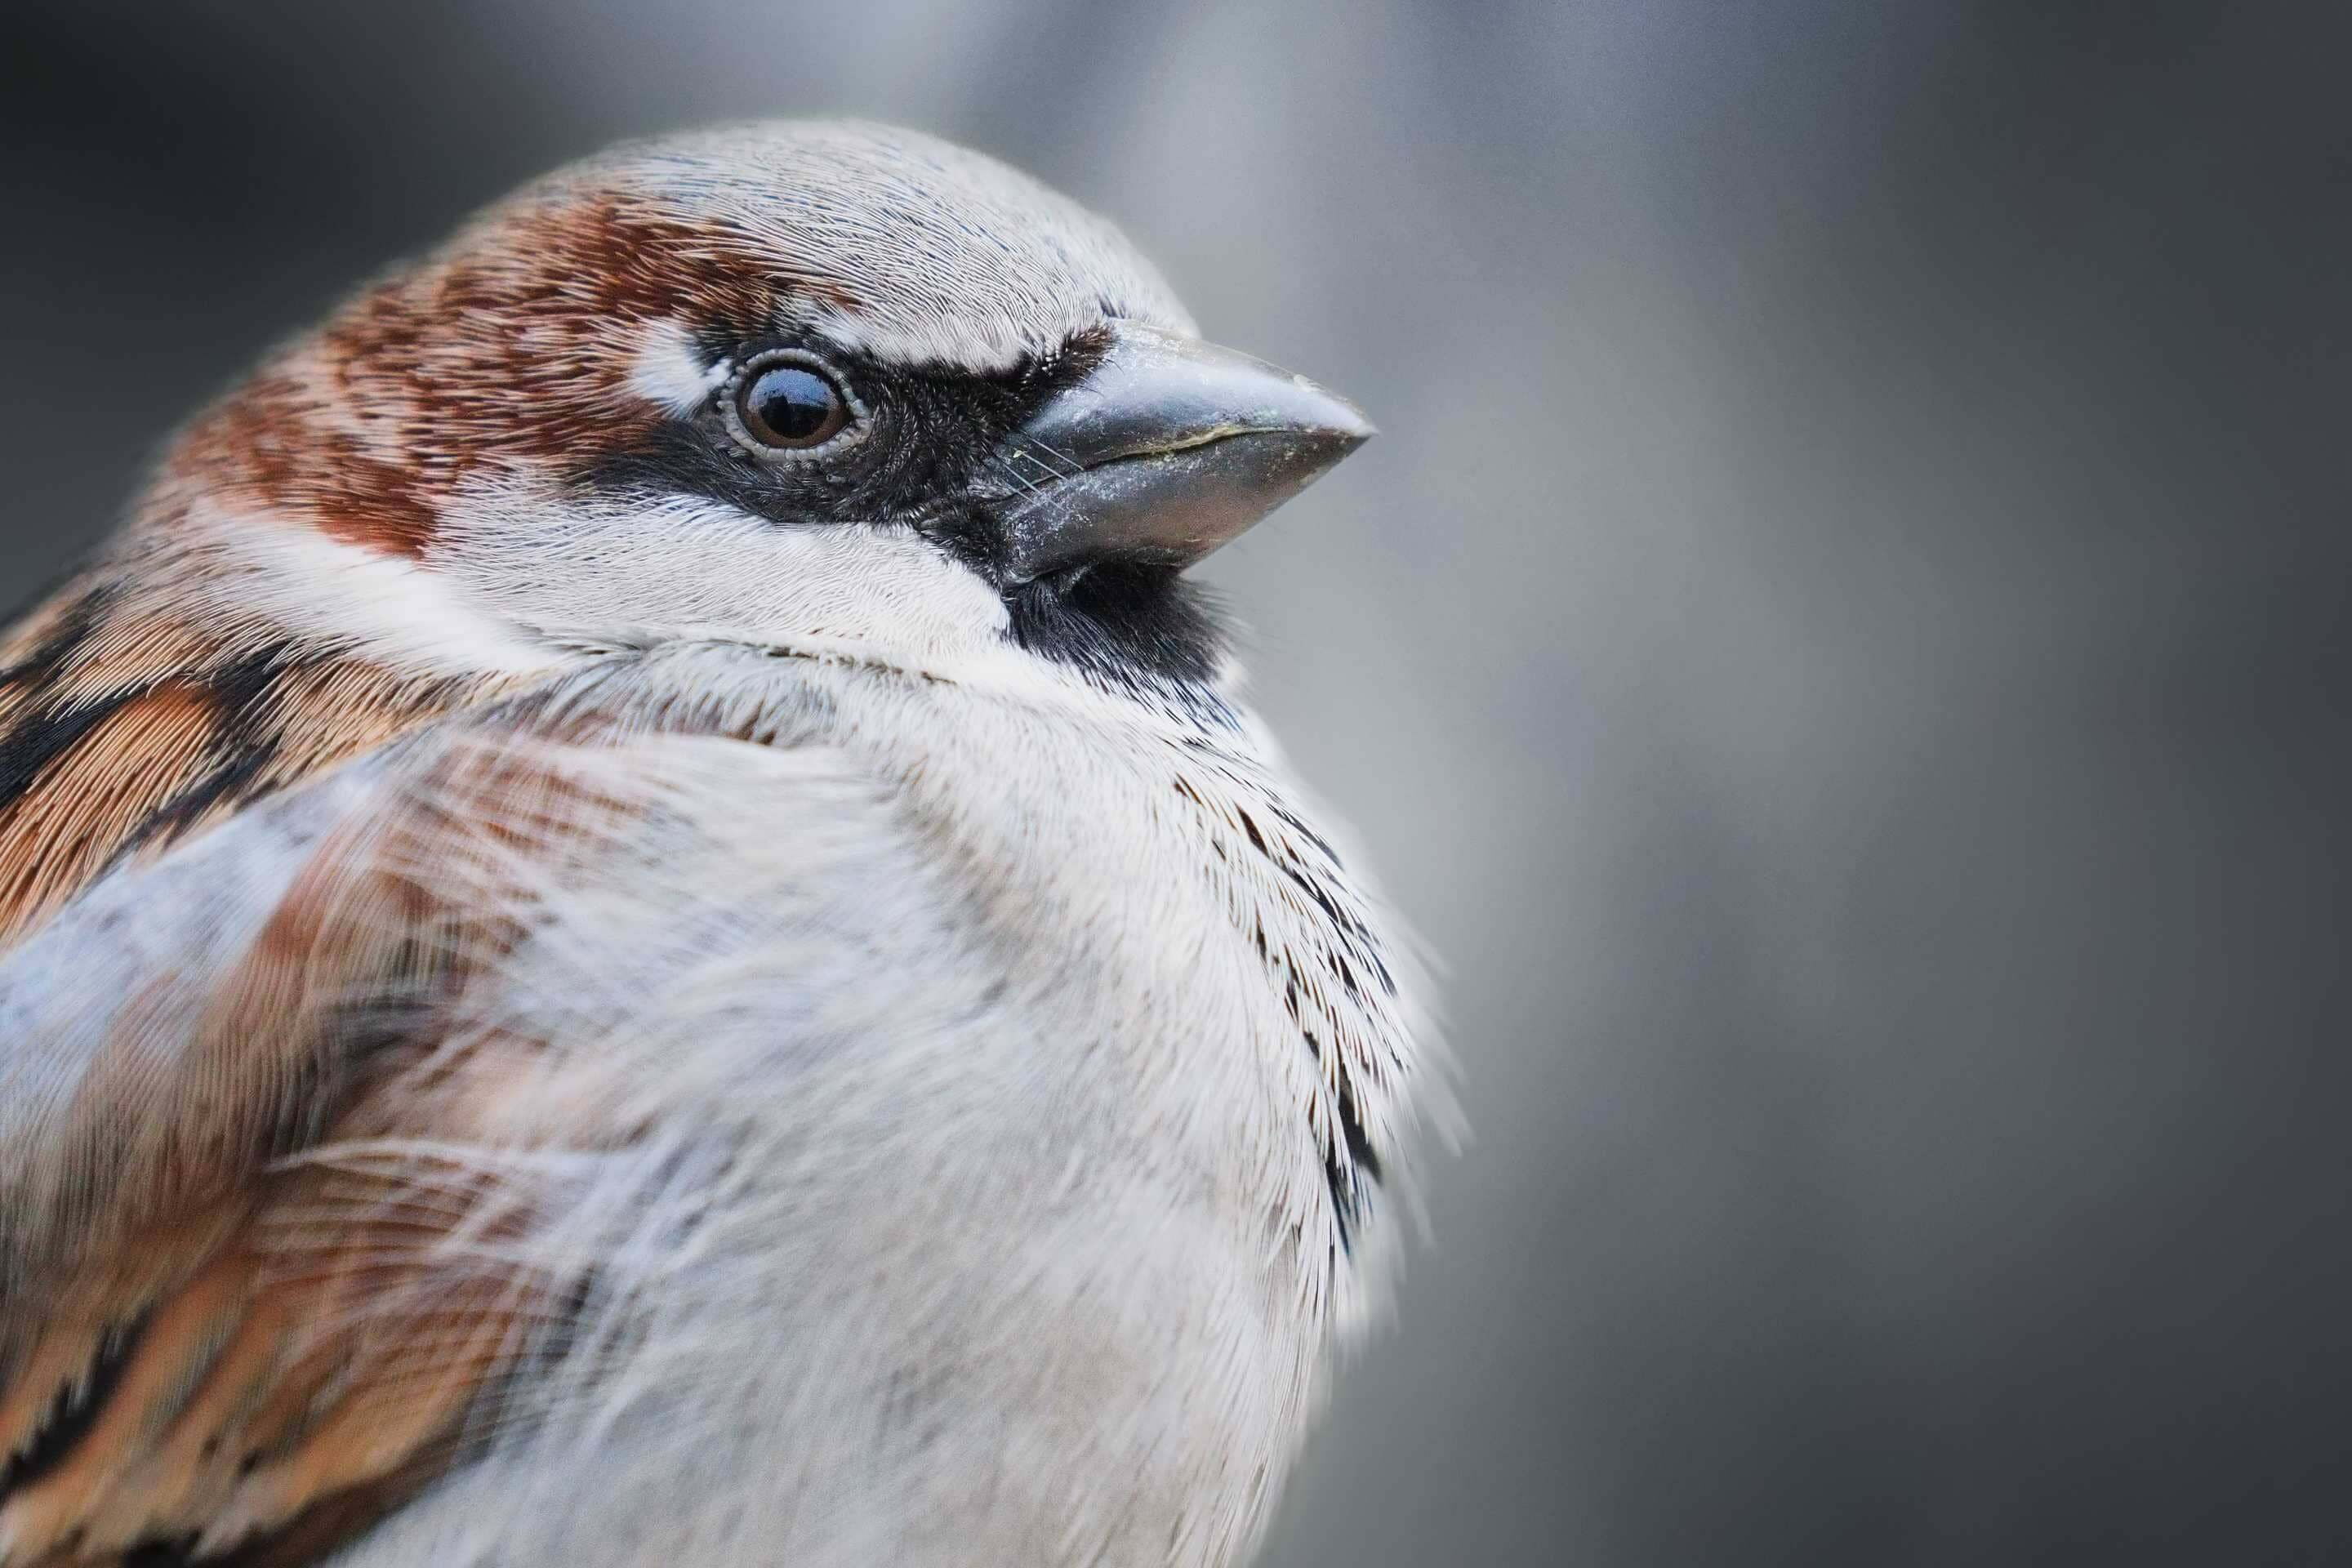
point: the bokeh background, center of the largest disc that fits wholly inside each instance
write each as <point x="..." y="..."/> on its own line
<point x="1842" y="649"/>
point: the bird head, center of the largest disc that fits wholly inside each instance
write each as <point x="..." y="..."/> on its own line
<point x="820" y="387"/>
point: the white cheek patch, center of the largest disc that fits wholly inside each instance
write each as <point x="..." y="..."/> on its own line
<point x="668" y="371"/>
<point x="409" y="615"/>
<point x="614" y="574"/>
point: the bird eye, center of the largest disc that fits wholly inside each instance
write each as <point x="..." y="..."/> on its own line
<point x="790" y="405"/>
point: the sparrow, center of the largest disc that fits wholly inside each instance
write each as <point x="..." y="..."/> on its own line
<point x="641" y="921"/>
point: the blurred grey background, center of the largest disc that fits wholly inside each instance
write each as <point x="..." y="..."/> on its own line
<point x="1841" y="649"/>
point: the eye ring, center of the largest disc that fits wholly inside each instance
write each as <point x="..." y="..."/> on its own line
<point x="790" y="403"/>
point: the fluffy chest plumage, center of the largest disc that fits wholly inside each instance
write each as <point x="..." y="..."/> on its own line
<point x="1147" y="886"/>
<point x="1104" y="1182"/>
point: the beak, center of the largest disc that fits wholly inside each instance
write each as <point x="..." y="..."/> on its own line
<point x="1168" y="448"/>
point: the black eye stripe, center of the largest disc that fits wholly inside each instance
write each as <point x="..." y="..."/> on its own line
<point x="919" y="437"/>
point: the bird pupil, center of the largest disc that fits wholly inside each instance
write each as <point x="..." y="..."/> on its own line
<point x="795" y="403"/>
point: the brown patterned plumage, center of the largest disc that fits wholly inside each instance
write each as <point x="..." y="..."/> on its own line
<point x="235" y="1340"/>
<point x="187" y="1385"/>
<point x="120" y="732"/>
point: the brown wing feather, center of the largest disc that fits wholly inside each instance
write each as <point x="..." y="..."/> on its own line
<point x="122" y="730"/>
<point x="249" y="1334"/>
